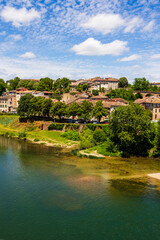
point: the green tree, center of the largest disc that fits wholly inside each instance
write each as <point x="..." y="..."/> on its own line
<point x="24" y="104"/>
<point x="36" y="105"/>
<point x="2" y="86"/>
<point x="131" y="130"/>
<point x="123" y="82"/>
<point x="45" y="84"/>
<point x="58" y="109"/>
<point x="13" y="83"/>
<point x="127" y="95"/>
<point x="141" y="84"/>
<point x="95" y="92"/>
<point x="73" y="109"/>
<point x="86" y="110"/>
<point x="85" y="87"/>
<point x="99" y="111"/>
<point x="46" y="106"/>
<point x="156" y="152"/>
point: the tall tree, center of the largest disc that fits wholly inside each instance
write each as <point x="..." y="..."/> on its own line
<point x="132" y="130"/>
<point x="58" y="109"/>
<point x="73" y="109"/>
<point x="86" y="110"/>
<point x="24" y="104"/>
<point x="45" y="84"/>
<point x="141" y="84"/>
<point x="123" y="82"/>
<point x="13" y="83"/>
<point x="46" y="106"/>
<point x="2" y="86"/>
<point x="99" y="111"/>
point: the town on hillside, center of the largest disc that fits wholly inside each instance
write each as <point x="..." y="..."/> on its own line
<point x="111" y="92"/>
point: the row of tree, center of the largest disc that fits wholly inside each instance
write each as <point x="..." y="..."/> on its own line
<point x="39" y="106"/>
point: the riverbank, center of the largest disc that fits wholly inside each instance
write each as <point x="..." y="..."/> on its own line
<point x="11" y="127"/>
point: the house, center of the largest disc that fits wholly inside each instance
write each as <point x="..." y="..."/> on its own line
<point x="8" y="103"/>
<point x="106" y="83"/>
<point x="151" y="103"/>
<point x="156" y="84"/>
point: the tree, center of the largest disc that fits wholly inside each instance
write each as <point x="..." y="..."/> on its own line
<point x="63" y="83"/>
<point x="131" y="130"/>
<point x="128" y="95"/>
<point x="156" y="152"/>
<point x="95" y="92"/>
<point x="73" y="109"/>
<point x="85" y="87"/>
<point x="141" y="84"/>
<point x="36" y="105"/>
<point x="24" y="105"/>
<point x="123" y="82"/>
<point x="13" y="83"/>
<point x="58" y="109"/>
<point x="2" y="86"/>
<point x="86" y="110"/>
<point x="99" y="111"/>
<point x="46" y="106"/>
<point x="45" y="84"/>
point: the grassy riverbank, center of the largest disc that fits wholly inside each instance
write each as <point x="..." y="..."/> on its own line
<point x="10" y="126"/>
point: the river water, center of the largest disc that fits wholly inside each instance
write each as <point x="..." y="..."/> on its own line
<point x="46" y="194"/>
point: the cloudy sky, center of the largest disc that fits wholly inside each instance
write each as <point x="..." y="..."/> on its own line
<point x="80" y="38"/>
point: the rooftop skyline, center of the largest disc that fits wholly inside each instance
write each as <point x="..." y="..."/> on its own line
<point x="80" y="39"/>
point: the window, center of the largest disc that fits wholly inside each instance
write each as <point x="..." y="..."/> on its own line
<point x="155" y="116"/>
<point x="156" y="110"/>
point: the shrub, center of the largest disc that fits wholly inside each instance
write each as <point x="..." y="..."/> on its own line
<point x="107" y="148"/>
<point x="22" y="135"/>
<point x="91" y="126"/>
<point x="71" y="135"/>
<point x="99" y="136"/>
<point x="86" y="139"/>
<point x="36" y="140"/>
<point x="56" y="126"/>
<point x="72" y="126"/>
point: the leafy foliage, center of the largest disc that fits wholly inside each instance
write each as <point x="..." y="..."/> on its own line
<point x="58" y="109"/>
<point x="95" y="92"/>
<point x="2" y="86"/>
<point x="56" y="126"/>
<point x="127" y="95"/>
<point x="99" y="111"/>
<point x="86" y="139"/>
<point x="99" y="136"/>
<point x="73" y="109"/>
<point x="71" y="135"/>
<point x="85" y="109"/>
<point x="123" y="82"/>
<point x="131" y="130"/>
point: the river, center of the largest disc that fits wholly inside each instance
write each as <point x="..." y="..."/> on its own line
<point x="46" y="194"/>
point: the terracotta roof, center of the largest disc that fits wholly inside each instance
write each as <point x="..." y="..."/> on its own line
<point x="148" y="100"/>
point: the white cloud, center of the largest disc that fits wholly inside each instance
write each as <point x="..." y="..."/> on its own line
<point x="130" y="58"/>
<point x="149" y="27"/>
<point x="133" y="24"/>
<point x="104" y="23"/>
<point x="28" y="55"/>
<point x="20" y="16"/>
<point x="155" y="56"/>
<point x="92" y="47"/>
<point x="3" y="33"/>
<point x="15" y="37"/>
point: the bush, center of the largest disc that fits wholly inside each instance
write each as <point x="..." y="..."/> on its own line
<point x="107" y="148"/>
<point x="99" y="136"/>
<point x="71" y="135"/>
<point x="22" y="135"/>
<point x="86" y="139"/>
<point x="36" y="140"/>
<point x="91" y="126"/>
<point x="56" y="126"/>
<point x="72" y="126"/>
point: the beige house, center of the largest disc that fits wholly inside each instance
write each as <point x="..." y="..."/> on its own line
<point x="8" y="103"/>
<point x="151" y="103"/>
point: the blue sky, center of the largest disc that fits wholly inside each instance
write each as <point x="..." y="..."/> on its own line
<point x="80" y="39"/>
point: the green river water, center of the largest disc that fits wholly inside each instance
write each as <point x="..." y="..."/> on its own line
<point x="46" y="194"/>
